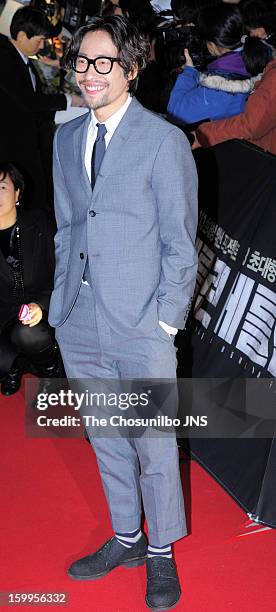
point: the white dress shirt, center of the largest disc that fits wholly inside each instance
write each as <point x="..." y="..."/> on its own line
<point x="111" y="124"/>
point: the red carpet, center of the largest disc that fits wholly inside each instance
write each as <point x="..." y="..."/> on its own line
<point x="53" y="511"/>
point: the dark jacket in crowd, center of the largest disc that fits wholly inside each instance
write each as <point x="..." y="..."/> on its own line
<point x="37" y="251"/>
<point x="27" y="124"/>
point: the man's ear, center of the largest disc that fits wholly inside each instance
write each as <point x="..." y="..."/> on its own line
<point x="132" y="73"/>
<point x="212" y="48"/>
<point x="17" y="196"/>
<point x="21" y="37"/>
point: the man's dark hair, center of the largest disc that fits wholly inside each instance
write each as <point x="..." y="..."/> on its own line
<point x="222" y="25"/>
<point x="131" y="46"/>
<point x="260" y="14"/>
<point x="9" y="169"/>
<point x="256" y="55"/>
<point x="31" y="21"/>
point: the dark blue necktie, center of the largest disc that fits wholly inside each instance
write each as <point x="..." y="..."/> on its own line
<point x="98" y="152"/>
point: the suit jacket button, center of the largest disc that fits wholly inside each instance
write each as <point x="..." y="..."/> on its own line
<point x="92" y="213"/>
<point x="82" y="255"/>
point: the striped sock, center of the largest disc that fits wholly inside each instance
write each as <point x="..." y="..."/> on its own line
<point x="160" y="551"/>
<point x="129" y="538"/>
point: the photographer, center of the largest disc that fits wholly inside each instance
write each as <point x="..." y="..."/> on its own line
<point x="223" y="89"/>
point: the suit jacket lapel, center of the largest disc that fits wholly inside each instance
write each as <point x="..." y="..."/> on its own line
<point x="22" y="67"/>
<point x="114" y="149"/>
<point x="80" y="137"/>
<point x="117" y="143"/>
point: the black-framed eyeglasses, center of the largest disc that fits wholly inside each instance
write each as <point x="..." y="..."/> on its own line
<point x="102" y="64"/>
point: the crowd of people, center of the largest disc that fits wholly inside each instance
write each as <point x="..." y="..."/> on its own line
<point x="125" y="217"/>
<point x="210" y="70"/>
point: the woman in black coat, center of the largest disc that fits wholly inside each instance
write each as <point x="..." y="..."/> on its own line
<point x="26" y="277"/>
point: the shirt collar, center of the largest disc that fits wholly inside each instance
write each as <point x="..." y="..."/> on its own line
<point x="112" y="122"/>
<point x="24" y="57"/>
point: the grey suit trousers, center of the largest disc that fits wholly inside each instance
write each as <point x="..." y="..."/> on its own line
<point x="131" y="468"/>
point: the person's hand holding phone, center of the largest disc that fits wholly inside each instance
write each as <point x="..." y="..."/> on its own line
<point x="30" y="314"/>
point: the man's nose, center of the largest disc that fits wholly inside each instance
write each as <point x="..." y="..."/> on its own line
<point x="92" y="71"/>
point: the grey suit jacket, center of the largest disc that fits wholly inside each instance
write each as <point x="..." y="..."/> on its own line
<point x="137" y="227"/>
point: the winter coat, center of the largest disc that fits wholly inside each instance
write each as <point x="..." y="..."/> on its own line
<point x="257" y="124"/>
<point x="220" y="92"/>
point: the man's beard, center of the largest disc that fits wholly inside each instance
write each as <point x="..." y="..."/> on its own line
<point x="95" y="104"/>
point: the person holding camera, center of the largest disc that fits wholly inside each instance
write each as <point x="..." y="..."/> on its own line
<point x="223" y="89"/>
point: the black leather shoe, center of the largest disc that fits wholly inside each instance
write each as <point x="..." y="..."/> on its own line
<point x="111" y="555"/>
<point x="163" y="588"/>
<point x="51" y="372"/>
<point x="12" y="381"/>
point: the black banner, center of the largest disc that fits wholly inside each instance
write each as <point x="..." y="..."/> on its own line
<point x="232" y="330"/>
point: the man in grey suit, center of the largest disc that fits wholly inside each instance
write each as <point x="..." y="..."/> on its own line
<point x="126" y="210"/>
